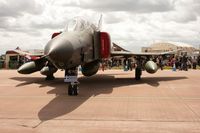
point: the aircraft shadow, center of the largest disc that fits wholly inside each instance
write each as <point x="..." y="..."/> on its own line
<point x="90" y="87"/>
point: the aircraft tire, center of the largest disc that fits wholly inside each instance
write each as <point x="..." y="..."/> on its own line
<point x="72" y="90"/>
<point x="138" y="72"/>
<point x="75" y="90"/>
<point x="50" y="77"/>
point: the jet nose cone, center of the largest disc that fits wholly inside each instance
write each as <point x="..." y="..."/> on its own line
<point x="59" y="49"/>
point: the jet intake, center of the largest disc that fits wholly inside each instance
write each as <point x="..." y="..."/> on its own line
<point x="55" y="34"/>
<point x="151" y="67"/>
<point x="102" y="45"/>
<point x="90" y="69"/>
<point x="48" y="70"/>
<point x="29" y="67"/>
<point x="105" y="44"/>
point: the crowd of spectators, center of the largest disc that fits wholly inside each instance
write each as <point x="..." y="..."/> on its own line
<point x="182" y="62"/>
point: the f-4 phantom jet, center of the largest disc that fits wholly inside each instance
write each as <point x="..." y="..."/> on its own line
<point x="80" y="44"/>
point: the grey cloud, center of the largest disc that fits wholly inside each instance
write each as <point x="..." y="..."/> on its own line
<point x="189" y="5"/>
<point x="136" y="6"/>
<point x="197" y="7"/>
<point x="13" y="8"/>
<point x="7" y="35"/>
<point x="27" y="31"/>
<point x="186" y="17"/>
<point x="48" y="25"/>
<point x="6" y="27"/>
<point x="185" y="11"/>
<point x="113" y="18"/>
<point x="181" y="16"/>
<point x="4" y="23"/>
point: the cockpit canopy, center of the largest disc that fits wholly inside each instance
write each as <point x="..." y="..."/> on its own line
<point x="79" y="24"/>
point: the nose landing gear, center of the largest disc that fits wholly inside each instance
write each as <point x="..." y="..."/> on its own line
<point x="71" y="77"/>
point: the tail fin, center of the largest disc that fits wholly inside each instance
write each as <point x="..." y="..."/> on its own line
<point x="100" y="23"/>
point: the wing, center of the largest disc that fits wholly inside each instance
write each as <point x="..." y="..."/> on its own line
<point x="29" y="55"/>
<point x="23" y="53"/>
<point x="132" y="54"/>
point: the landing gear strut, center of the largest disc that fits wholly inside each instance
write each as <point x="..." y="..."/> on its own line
<point x="138" y="69"/>
<point x="138" y="73"/>
<point x="71" y="77"/>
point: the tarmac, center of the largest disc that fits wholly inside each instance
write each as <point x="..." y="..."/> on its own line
<point x="111" y="101"/>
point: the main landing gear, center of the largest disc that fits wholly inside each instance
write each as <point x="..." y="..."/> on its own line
<point x="71" y="77"/>
<point x="138" y="69"/>
<point x="138" y="73"/>
<point x="50" y="77"/>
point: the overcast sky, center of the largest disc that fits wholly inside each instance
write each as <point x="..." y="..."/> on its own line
<point x="131" y="23"/>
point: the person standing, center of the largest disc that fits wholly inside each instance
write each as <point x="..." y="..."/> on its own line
<point x="173" y="62"/>
<point x="198" y="60"/>
<point x="194" y="63"/>
<point x="185" y="60"/>
<point x="161" y="62"/>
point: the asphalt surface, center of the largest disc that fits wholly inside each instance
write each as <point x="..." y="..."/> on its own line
<point x="111" y="101"/>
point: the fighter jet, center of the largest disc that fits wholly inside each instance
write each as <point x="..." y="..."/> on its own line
<point x="80" y="44"/>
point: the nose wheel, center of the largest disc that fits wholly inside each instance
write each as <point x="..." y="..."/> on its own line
<point x="72" y="89"/>
<point x="71" y="77"/>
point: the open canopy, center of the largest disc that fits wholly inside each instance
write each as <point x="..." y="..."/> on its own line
<point x="79" y="24"/>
